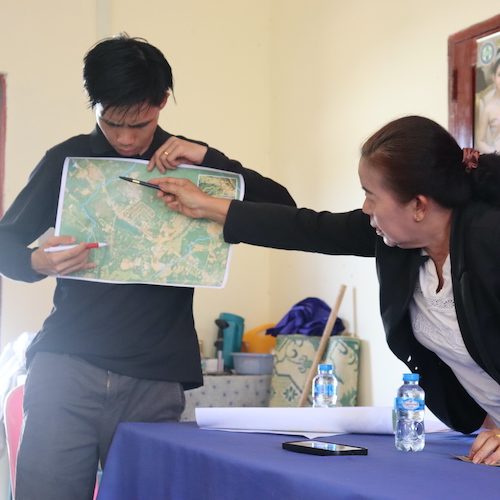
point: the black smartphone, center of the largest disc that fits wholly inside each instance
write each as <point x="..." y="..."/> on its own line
<point x="323" y="448"/>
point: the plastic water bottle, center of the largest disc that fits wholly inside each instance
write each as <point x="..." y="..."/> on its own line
<point x="409" y="409"/>
<point x="324" y="388"/>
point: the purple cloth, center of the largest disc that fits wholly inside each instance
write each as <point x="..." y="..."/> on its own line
<point x="307" y="317"/>
<point x="179" y="461"/>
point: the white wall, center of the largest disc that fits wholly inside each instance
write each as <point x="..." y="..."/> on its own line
<point x="289" y="88"/>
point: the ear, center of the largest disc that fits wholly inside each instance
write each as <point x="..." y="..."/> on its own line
<point x="421" y="207"/>
<point x="162" y="104"/>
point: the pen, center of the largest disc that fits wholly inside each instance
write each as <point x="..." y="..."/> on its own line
<point x="142" y="183"/>
<point x="61" y="248"/>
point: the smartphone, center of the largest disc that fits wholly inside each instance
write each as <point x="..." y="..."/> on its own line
<point x="323" y="448"/>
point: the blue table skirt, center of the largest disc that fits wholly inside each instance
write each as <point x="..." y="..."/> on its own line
<point x="179" y="461"/>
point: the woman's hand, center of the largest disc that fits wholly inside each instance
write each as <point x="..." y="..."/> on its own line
<point x="176" y="151"/>
<point x="183" y="196"/>
<point x="486" y="447"/>
<point x="61" y="263"/>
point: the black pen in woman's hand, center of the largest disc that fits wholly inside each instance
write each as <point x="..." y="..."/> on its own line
<point x="142" y="183"/>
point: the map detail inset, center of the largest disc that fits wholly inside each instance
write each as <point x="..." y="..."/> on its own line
<point x="147" y="242"/>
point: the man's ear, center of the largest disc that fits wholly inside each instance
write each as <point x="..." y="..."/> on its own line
<point x="162" y="104"/>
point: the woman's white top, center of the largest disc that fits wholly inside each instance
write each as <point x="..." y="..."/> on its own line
<point x="435" y="326"/>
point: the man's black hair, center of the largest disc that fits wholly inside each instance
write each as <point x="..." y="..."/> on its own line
<point x="122" y="72"/>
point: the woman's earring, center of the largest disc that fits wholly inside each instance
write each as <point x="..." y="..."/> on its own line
<point x="417" y="218"/>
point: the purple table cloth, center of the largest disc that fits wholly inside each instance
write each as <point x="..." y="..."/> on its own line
<point x="179" y="461"/>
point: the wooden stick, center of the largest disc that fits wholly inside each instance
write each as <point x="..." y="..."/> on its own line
<point x="322" y="346"/>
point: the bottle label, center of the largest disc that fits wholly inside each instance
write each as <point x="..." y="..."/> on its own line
<point x="326" y="389"/>
<point x="410" y="404"/>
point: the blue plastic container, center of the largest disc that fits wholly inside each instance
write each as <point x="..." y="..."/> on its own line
<point x="233" y="335"/>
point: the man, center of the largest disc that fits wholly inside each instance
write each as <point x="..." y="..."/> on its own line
<point x="107" y="353"/>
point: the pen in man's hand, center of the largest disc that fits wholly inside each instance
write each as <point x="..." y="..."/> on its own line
<point x="61" y="248"/>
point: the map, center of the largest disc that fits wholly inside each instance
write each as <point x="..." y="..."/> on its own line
<point x="146" y="242"/>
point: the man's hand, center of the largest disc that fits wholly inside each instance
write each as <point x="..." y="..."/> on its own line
<point x="176" y="151"/>
<point x="61" y="263"/>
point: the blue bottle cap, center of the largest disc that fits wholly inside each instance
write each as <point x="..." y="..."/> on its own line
<point x="411" y="377"/>
<point x="325" y="367"/>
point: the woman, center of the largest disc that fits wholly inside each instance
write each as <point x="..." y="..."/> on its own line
<point x="431" y="219"/>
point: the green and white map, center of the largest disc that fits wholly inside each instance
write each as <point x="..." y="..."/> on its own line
<point x="146" y="242"/>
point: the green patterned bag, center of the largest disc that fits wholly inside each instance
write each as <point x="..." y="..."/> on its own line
<point x="294" y="356"/>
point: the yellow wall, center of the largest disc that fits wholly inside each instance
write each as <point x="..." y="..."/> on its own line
<point x="340" y="70"/>
<point x="291" y="89"/>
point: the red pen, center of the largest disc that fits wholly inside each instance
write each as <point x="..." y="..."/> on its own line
<point x="61" y="248"/>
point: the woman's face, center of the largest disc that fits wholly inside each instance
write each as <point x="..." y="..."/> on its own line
<point x="496" y="78"/>
<point x="393" y="221"/>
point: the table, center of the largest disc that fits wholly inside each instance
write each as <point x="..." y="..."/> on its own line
<point x="228" y="390"/>
<point x="179" y="461"/>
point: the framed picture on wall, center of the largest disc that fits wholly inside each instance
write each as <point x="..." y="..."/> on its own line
<point x="487" y="95"/>
<point x="464" y="80"/>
